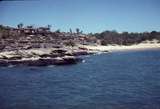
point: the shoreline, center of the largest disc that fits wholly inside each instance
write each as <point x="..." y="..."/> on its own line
<point x="114" y="48"/>
<point x="41" y="57"/>
<point x="64" y="56"/>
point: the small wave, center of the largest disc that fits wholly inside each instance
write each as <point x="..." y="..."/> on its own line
<point x="83" y="61"/>
<point x="51" y="66"/>
<point x="10" y="66"/>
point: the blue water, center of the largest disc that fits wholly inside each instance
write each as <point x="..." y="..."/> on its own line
<point x="119" y="80"/>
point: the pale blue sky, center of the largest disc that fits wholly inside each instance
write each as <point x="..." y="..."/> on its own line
<point x="88" y="15"/>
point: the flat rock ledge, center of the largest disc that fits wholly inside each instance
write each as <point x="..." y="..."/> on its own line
<point x="43" y="57"/>
<point x="67" y="60"/>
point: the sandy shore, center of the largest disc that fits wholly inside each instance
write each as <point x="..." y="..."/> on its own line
<point x="112" y="48"/>
<point x="87" y="48"/>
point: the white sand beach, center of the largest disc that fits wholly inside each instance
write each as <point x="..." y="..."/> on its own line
<point x="145" y="45"/>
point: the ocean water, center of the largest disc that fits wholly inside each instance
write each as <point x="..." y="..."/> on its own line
<point x="118" y="80"/>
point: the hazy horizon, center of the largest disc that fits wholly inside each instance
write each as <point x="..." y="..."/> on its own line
<point x="88" y="15"/>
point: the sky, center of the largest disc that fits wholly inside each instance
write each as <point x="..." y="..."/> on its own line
<point x="88" y="15"/>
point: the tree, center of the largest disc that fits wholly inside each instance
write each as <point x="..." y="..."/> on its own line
<point x="81" y="31"/>
<point x="58" y="31"/>
<point x="31" y="26"/>
<point x="77" y="30"/>
<point x="70" y="30"/>
<point x="20" y="25"/>
<point x="103" y="42"/>
<point x="49" y="27"/>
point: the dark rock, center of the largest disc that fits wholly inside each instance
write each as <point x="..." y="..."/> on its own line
<point x="47" y="55"/>
<point x="59" y="51"/>
<point x="66" y="61"/>
<point x="78" y="53"/>
<point x="3" y="57"/>
<point x="41" y="61"/>
<point x="15" y="57"/>
<point x="3" y="63"/>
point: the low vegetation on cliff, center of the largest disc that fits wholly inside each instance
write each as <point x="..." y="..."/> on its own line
<point x="28" y="37"/>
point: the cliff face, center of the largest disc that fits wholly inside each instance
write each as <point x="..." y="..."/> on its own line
<point x="29" y="38"/>
<point x="41" y="37"/>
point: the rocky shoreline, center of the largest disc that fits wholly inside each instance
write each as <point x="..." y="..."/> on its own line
<point x="42" y="57"/>
<point x="39" y="46"/>
<point x="41" y="61"/>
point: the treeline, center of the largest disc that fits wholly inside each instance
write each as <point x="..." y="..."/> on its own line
<point x="105" y="38"/>
<point x="125" y="38"/>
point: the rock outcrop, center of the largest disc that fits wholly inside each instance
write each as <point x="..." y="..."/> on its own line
<point x="41" y="61"/>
